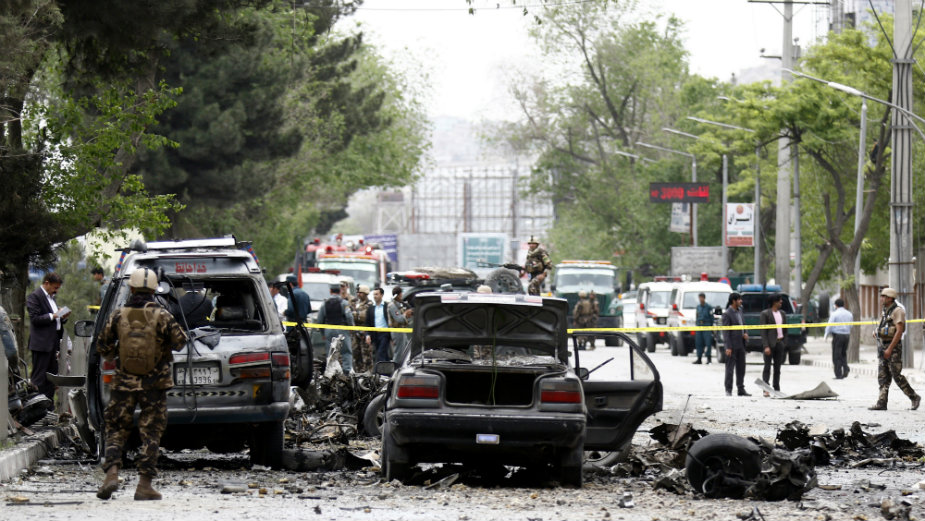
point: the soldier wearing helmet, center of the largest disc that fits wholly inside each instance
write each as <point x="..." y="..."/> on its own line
<point x="889" y="336"/>
<point x="537" y="265"/>
<point x="583" y="313"/>
<point x="139" y="337"/>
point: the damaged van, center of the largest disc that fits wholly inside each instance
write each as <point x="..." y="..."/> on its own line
<point x="488" y="381"/>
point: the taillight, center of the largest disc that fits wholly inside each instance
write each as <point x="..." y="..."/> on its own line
<point x="248" y="358"/>
<point x="642" y="306"/>
<point x="560" y="391"/>
<point x="280" y="359"/>
<point x="108" y="367"/>
<point x="419" y="386"/>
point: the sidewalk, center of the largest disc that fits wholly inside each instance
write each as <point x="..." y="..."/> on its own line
<point x="25" y="451"/>
<point x="819" y="354"/>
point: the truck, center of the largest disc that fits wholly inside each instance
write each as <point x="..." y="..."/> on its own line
<point x="599" y="276"/>
<point x="368" y="267"/>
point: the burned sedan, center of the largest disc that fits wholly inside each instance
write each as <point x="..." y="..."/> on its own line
<point x="488" y="381"/>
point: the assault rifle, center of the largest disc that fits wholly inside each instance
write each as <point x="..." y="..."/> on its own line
<point x="509" y="265"/>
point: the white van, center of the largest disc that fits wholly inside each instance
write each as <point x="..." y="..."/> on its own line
<point x="683" y="312"/>
<point x="653" y="302"/>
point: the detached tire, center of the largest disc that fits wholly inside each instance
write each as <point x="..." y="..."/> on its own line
<point x="717" y="456"/>
<point x="374" y="416"/>
<point x="503" y="280"/>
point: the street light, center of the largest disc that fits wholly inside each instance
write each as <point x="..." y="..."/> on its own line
<point x="693" y="229"/>
<point x="757" y="260"/>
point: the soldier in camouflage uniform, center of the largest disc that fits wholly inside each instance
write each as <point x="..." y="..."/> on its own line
<point x="536" y="266"/>
<point x="362" y="352"/>
<point x="583" y="314"/>
<point x="889" y="335"/>
<point x="148" y="391"/>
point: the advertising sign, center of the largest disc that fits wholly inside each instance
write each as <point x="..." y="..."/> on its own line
<point x="389" y="243"/>
<point x="679" y="193"/>
<point x="680" y="218"/>
<point x="696" y="260"/>
<point x="739" y="224"/>
<point x="488" y="247"/>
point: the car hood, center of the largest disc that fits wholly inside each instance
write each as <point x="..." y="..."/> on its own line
<point x="465" y="319"/>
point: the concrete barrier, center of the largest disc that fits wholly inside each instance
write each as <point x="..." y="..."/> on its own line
<point x="28" y="451"/>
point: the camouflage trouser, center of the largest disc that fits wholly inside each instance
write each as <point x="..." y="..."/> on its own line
<point x="362" y="353"/>
<point x="534" y="287"/>
<point x="151" y="425"/>
<point x="891" y="369"/>
<point x="581" y="323"/>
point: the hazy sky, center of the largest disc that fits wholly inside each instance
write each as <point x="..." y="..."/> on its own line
<point x="464" y="61"/>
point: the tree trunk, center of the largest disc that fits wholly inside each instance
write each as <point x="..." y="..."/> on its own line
<point x="853" y="304"/>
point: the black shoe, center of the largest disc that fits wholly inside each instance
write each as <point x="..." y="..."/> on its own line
<point x="916" y="401"/>
<point x="743" y="393"/>
<point x="697" y="362"/>
<point x="877" y="407"/>
<point x="728" y="393"/>
<point x="847" y="370"/>
<point x="709" y="361"/>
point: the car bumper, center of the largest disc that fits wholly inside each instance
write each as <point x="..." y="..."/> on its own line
<point x="461" y="432"/>
<point x="277" y="411"/>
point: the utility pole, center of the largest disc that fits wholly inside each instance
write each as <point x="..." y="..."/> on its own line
<point x="782" y="228"/>
<point x="797" y="290"/>
<point x="725" y="217"/>
<point x="758" y="275"/>
<point x="901" y="262"/>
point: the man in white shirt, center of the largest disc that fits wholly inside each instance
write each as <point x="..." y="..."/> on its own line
<point x="840" y="336"/>
<point x="773" y="340"/>
<point x="282" y="303"/>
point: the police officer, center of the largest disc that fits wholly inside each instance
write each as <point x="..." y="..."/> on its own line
<point x="336" y="311"/>
<point x="584" y="315"/>
<point x="536" y="265"/>
<point x="151" y="346"/>
<point x="889" y="337"/>
<point x="300" y="304"/>
<point x="703" y="339"/>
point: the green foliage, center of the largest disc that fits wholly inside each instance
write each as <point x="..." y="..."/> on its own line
<point x="79" y="290"/>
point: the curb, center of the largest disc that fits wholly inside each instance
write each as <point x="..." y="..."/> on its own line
<point x="854" y="369"/>
<point x="27" y="451"/>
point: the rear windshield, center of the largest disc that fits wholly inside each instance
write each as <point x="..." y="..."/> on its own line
<point x="757" y="302"/>
<point x="714" y="298"/>
<point x="659" y="299"/>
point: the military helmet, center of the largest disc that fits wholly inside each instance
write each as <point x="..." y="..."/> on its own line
<point x="483" y="289"/>
<point x="582" y="294"/>
<point x="363" y="288"/>
<point x="533" y="240"/>
<point x="143" y="279"/>
<point x="889" y="292"/>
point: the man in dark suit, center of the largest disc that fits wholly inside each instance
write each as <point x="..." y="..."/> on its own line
<point x="378" y="316"/>
<point x="735" y="345"/>
<point x="773" y="340"/>
<point x="45" y="332"/>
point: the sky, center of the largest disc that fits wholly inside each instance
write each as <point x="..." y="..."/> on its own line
<point x="464" y="63"/>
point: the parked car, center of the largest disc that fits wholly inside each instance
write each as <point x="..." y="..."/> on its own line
<point x="628" y="304"/>
<point x="232" y="379"/>
<point x="488" y="382"/>
<point x="653" y="303"/>
<point x="684" y="301"/>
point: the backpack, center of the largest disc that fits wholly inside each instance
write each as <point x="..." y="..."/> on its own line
<point x="138" y="349"/>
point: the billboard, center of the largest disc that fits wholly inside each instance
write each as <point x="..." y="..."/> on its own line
<point x="739" y="224"/>
<point x="389" y="243"/>
<point x="679" y="193"/>
<point x="696" y="260"/>
<point x="680" y="218"/>
<point x="487" y="247"/>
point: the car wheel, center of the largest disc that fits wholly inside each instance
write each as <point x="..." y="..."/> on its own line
<point x="606" y="459"/>
<point x="651" y="340"/>
<point x="723" y="465"/>
<point x="390" y="468"/>
<point x="570" y="468"/>
<point x="641" y="342"/>
<point x="686" y="347"/>
<point x="673" y="344"/>
<point x="502" y="280"/>
<point x="794" y="356"/>
<point x="266" y="444"/>
<point x="374" y="415"/>
<point x="611" y="341"/>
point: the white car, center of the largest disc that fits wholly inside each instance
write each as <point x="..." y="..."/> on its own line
<point x="684" y="301"/>
<point x="652" y="308"/>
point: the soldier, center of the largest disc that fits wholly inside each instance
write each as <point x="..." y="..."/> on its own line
<point x="400" y="316"/>
<point x="362" y="352"/>
<point x="889" y="336"/>
<point x="536" y="266"/>
<point x="584" y="314"/>
<point x="336" y="311"/>
<point x="140" y="337"/>
<point x="596" y="305"/>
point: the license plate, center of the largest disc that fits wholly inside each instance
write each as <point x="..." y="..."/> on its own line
<point x="201" y="375"/>
<point x="487" y="439"/>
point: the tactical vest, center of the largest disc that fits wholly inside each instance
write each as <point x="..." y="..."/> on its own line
<point x="887" y="329"/>
<point x="585" y="307"/>
<point x="138" y="349"/>
<point x="334" y="311"/>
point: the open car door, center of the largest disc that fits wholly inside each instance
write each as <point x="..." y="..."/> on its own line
<point x="619" y="396"/>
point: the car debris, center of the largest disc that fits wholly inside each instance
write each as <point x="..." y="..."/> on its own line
<point x="820" y="392"/>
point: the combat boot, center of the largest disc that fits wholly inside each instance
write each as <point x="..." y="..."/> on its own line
<point x="916" y="400"/>
<point x="144" y="491"/>
<point x="110" y="484"/>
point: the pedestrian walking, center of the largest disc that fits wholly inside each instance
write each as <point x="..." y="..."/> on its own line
<point x="703" y="340"/>
<point x="840" y="335"/>
<point x="889" y="336"/>
<point x="378" y="316"/>
<point x="773" y="341"/>
<point x="362" y="352"/>
<point x="336" y="312"/>
<point x="139" y="337"/>
<point x="46" y="328"/>
<point x="537" y="264"/>
<point x="735" y="345"/>
<point x="400" y="315"/>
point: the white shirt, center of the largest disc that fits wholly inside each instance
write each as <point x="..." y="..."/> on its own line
<point x="282" y="303"/>
<point x="54" y="309"/>
<point x="778" y="320"/>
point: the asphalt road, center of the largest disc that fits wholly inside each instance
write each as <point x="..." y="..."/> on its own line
<point x="192" y="483"/>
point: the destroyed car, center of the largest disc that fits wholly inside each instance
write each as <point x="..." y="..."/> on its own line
<point x="488" y="382"/>
<point x="232" y="380"/>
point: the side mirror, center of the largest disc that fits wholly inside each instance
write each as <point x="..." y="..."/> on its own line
<point x="385" y="368"/>
<point x="552" y="287"/>
<point x="84" y="328"/>
<point x="583" y="373"/>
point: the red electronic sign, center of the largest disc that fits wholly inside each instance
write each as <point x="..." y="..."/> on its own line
<point x="679" y="193"/>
